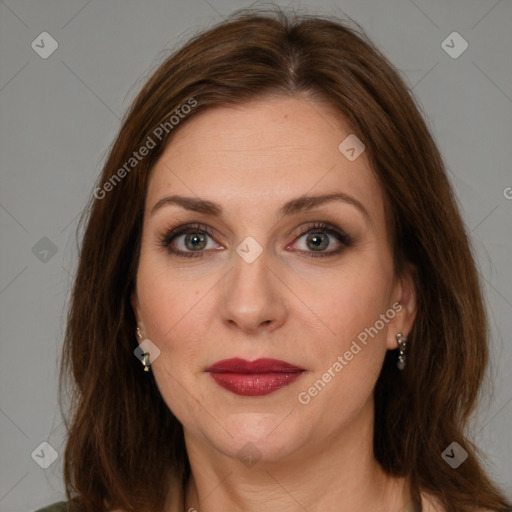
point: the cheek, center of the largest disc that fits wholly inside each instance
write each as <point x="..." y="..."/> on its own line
<point x="167" y="306"/>
<point x="180" y="316"/>
<point x="346" y="365"/>
<point x="171" y="312"/>
<point x="349" y="353"/>
<point x="165" y="298"/>
<point x="348" y="303"/>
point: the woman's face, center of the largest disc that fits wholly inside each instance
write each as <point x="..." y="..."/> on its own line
<point x="278" y="275"/>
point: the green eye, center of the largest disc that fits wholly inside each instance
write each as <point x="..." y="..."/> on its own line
<point x="196" y="240"/>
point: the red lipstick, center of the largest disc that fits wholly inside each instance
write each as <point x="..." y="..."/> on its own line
<point x="253" y="378"/>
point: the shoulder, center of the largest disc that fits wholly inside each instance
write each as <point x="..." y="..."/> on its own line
<point x="64" y="506"/>
<point x="59" y="506"/>
<point x="432" y="504"/>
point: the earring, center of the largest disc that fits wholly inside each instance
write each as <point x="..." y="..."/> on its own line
<point x="145" y="357"/>
<point x="145" y="361"/>
<point x="402" y="343"/>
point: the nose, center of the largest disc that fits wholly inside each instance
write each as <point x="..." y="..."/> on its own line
<point x="254" y="296"/>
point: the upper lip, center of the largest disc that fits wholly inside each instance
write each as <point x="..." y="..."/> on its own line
<point x="237" y="365"/>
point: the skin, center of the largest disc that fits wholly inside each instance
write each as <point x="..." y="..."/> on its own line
<point x="286" y="305"/>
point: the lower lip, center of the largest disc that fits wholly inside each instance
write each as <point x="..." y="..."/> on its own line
<point x="254" y="384"/>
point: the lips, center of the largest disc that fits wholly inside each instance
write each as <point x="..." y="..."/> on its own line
<point x="258" y="366"/>
<point x="253" y="378"/>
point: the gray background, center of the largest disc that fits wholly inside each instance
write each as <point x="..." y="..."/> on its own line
<point x="59" y="116"/>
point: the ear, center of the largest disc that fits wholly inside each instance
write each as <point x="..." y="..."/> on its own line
<point x="135" y="303"/>
<point x="404" y="304"/>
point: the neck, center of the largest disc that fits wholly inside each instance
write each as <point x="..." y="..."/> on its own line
<point x="340" y="474"/>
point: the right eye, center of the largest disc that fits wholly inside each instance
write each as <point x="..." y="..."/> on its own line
<point x="195" y="239"/>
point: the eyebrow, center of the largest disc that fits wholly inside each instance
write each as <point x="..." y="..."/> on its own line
<point x="291" y="207"/>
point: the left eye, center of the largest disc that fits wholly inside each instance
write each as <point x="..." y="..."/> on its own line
<point x="316" y="240"/>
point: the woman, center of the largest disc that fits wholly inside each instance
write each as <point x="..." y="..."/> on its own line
<point x="276" y="305"/>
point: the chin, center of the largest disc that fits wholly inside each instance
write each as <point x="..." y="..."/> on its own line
<point x="258" y="437"/>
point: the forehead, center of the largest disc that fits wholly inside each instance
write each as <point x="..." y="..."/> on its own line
<point x="260" y="154"/>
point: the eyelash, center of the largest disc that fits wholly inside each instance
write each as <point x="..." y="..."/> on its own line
<point x="169" y="236"/>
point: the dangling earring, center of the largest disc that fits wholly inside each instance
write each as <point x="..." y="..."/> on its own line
<point x="145" y="361"/>
<point x="145" y="357"/>
<point x="402" y="343"/>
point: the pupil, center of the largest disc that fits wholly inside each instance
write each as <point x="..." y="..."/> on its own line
<point x="317" y="241"/>
<point x="196" y="241"/>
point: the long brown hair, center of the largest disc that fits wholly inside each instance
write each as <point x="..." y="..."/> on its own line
<point x="124" y="444"/>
